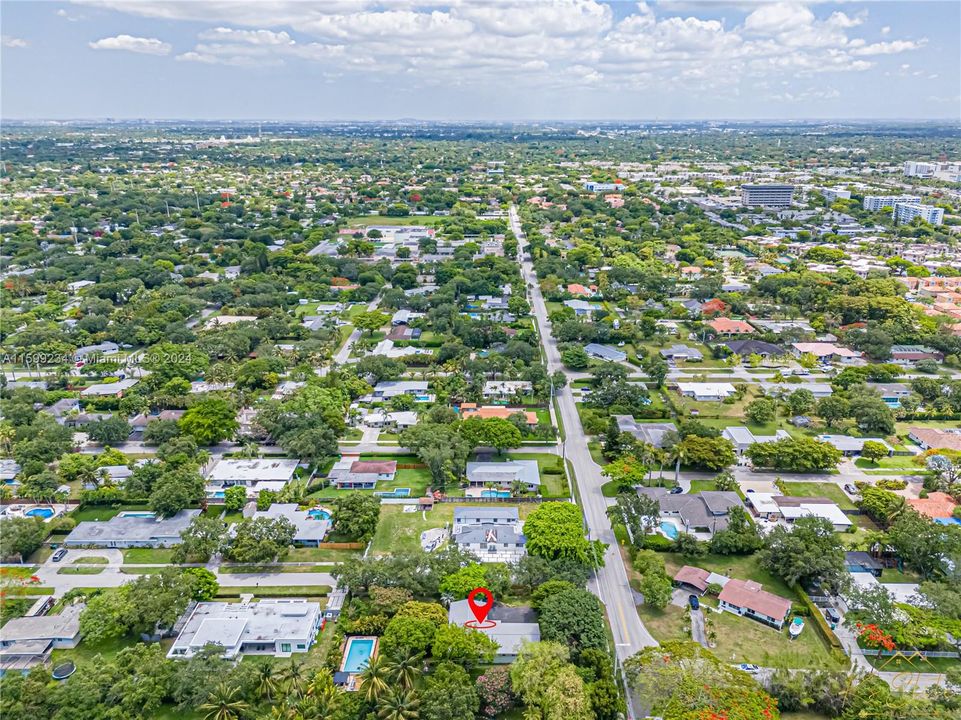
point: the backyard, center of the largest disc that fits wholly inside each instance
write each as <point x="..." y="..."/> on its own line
<point x="399" y="531"/>
<point x="815" y="489"/>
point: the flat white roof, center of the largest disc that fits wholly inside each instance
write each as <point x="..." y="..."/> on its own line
<point x="281" y="469"/>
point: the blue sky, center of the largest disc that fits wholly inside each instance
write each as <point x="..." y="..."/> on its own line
<point x="491" y="60"/>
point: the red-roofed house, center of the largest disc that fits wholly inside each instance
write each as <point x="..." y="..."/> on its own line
<point x="353" y="474"/>
<point x="579" y="290"/>
<point x="746" y="598"/>
<point x="469" y="410"/>
<point x="713" y="307"/>
<point x="937" y="505"/>
<point x="726" y="326"/>
<point x="692" y="579"/>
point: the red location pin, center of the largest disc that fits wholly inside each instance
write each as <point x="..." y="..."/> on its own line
<point x="480" y="601"/>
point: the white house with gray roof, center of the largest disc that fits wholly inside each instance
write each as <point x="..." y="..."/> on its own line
<point x="276" y="626"/>
<point x="504" y="474"/>
<point x="128" y="530"/>
<point x="491" y="534"/>
<point x="28" y="641"/>
<point x="512" y="627"/>
<point x="310" y="527"/>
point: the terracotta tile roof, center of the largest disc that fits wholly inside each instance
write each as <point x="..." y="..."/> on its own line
<point x="935" y="505"/>
<point x="749" y="595"/>
<point x="495" y="411"/>
<point x="935" y="438"/>
<point x="693" y="576"/>
<point x="726" y="325"/>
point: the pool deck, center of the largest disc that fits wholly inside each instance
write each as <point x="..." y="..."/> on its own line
<point x="351" y="679"/>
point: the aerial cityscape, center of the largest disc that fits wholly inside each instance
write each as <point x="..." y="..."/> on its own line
<point x="480" y="360"/>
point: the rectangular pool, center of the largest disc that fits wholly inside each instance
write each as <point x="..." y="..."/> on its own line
<point x="357" y="652"/>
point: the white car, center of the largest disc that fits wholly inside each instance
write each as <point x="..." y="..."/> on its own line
<point x="748" y="668"/>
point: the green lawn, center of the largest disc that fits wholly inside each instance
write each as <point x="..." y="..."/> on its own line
<point x="312" y="591"/>
<point x="742" y="567"/>
<point x="417" y="479"/>
<point x="91" y="560"/>
<point x="148" y="556"/>
<point x="312" y="554"/>
<point x="81" y="570"/>
<point x="702" y="485"/>
<point x="247" y="569"/>
<point x="902" y="462"/>
<point x="742" y="639"/>
<point x="102" y="512"/>
<point x="815" y="489"/>
<point x="551" y="485"/>
<point x="399" y="532"/>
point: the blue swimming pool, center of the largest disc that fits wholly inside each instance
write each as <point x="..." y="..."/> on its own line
<point x="669" y="529"/>
<point x="495" y="493"/>
<point x="318" y="514"/>
<point x="137" y="513"/>
<point x="39" y="512"/>
<point x="358" y="651"/>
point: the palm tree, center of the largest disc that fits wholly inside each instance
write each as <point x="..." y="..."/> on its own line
<point x="266" y="680"/>
<point x="322" y="693"/>
<point x="223" y="703"/>
<point x="373" y="679"/>
<point x="898" y="508"/>
<point x="399" y="705"/>
<point x="295" y="678"/>
<point x="405" y="670"/>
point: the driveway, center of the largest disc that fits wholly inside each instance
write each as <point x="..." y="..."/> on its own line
<point x="758" y="486"/>
<point x="698" y="633"/>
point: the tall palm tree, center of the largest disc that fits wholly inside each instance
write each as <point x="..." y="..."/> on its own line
<point x="399" y="705"/>
<point x="224" y="703"/>
<point x="295" y="678"/>
<point x="322" y="694"/>
<point x="373" y="679"/>
<point x="405" y="669"/>
<point x="266" y="680"/>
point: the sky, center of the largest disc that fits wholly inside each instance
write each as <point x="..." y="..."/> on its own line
<point x="467" y="60"/>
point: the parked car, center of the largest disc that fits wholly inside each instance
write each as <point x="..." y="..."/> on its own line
<point x="749" y="668"/>
<point x="849" y="488"/>
<point x="59" y="555"/>
<point x="832" y="615"/>
<point x="693" y="602"/>
<point x="677" y="490"/>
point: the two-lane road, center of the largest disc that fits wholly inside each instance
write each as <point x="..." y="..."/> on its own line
<point x="611" y="584"/>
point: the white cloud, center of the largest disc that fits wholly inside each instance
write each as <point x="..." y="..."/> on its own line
<point x="9" y="41"/>
<point x="145" y="46"/>
<point x="541" y="43"/>
<point x="254" y="37"/>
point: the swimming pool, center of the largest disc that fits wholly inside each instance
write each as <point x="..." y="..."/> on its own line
<point x="669" y="529"/>
<point x="136" y="513"/>
<point x="495" y="493"/>
<point x="358" y="651"/>
<point x="396" y="492"/>
<point x="318" y="514"/>
<point x="41" y="512"/>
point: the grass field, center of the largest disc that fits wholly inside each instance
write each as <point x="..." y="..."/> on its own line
<point x="742" y="567"/>
<point x="311" y="554"/>
<point x="551" y="485"/>
<point x="102" y="512"/>
<point x="147" y="556"/>
<point x="814" y="489"/>
<point x="895" y="462"/>
<point x="91" y="560"/>
<point x="81" y="570"/>
<point x="247" y="569"/>
<point x="742" y="639"/>
<point x="398" y="531"/>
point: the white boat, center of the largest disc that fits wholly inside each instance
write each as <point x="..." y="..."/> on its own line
<point x="796" y="626"/>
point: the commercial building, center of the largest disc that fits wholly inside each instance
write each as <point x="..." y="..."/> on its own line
<point x="771" y="195"/>
<point x="913" y="168"/>
<point x="874" y="203"/>
<point x="834" y="194"/>
<point x="906" y="212"/>
<point x="278" y="627"/>
<point x="131" y="529"/>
